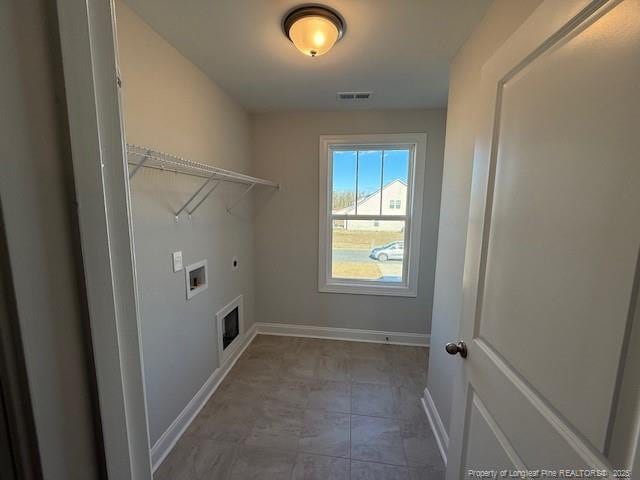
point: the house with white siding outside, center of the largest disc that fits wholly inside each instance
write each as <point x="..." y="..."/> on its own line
<point x="390" y="200"/>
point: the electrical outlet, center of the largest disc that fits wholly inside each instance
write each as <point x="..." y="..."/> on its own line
<point x="177" y="261"/>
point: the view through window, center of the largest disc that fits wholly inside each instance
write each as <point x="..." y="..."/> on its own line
<point x="368" y="187"/>
<point x="370" y="213"/>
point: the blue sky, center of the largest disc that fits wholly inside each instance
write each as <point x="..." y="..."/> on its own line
<point x="396" y="166"/>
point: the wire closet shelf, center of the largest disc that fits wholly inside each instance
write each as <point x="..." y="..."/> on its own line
<point x="142" y="157"/>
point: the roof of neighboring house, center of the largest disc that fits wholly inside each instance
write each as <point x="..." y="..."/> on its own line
<point x="364" y="199"/>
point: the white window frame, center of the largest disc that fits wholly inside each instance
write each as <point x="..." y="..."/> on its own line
<point x="417" y="144"/>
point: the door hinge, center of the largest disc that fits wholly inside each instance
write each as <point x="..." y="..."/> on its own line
<point x="119" y="82"/>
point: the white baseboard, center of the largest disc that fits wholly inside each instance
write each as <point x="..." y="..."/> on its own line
<point x="442" y="437"/>
<point x="333" y="333"/>
<point x="168" y="439"/>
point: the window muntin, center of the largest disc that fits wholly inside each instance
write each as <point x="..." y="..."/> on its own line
<point x="368" y="215"/>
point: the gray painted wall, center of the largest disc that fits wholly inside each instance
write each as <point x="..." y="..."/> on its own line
<point x="37" y="196"/>
<point x="285" y="148"/>
<point x="502" y="19"/>
<point x="172" y="106"/>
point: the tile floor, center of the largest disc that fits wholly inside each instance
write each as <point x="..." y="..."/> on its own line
<point x="301" y="408"/>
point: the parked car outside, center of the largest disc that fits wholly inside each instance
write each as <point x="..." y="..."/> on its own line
<point x="391" y="251"/>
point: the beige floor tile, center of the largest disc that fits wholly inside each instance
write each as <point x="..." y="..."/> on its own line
<point x="420" y="445"/>
<point x="278" y="342"/>
<point x="377" y="471"/>
<point x="264" y="355"/>
<point x="235" y="390"/>
<point x="407" y="403"/>
<point x="305" y="346"/>
<point x="372" y="399"/>
<point x="299" y="365"/>
<point x="325" y="433"/>
<point x="226" y="421"/>
<point x="366" y="350"/>
<point x="427" y="473"/>
<point x="195" y="458"/>
<point x="330" y="395"/>
<point x="376" y="439"/>
<point x="414" y="377"/>
<point x="371" y="370"/>
<point x="277" y="427"/>
<point x="317" y="467"/>
<point x="258" y="463"/>
<point x="254" y="370"/>
<point x="331" y="367"/>
<point x="292" y="393"/>
<point x="336" y="349"/>
<point x="307" y="408"/>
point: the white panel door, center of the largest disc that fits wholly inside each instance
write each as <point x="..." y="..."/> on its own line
<point x="552" y="269"/>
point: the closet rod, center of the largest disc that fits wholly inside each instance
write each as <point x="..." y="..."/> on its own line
<point x="143" y="157"/>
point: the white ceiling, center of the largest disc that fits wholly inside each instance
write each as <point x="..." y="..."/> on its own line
<point x="399" y="49"/>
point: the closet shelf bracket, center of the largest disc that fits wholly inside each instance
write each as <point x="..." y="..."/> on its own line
<point x="139" y="165"/>
<point x="239" y="199"/>
<point x="209" y="192"/>
<point x="193" y="197"/>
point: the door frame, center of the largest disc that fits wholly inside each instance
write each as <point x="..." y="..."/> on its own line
<point x="16" y="413"/>
<point x="549" y="24"/>
<point x="89" y="58"/>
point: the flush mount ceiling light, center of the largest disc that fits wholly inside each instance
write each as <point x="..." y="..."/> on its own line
<point x="313" y="29"/>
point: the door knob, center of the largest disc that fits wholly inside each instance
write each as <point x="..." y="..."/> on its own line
<point x="453" y="348"/>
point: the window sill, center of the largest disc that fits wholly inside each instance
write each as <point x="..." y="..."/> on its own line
<point x="360" y="289"/>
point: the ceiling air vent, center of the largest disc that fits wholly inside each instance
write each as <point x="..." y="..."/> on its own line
<point x="353" y="96"/>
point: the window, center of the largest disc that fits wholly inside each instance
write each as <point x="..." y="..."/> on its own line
<point x="370" y="208"/>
